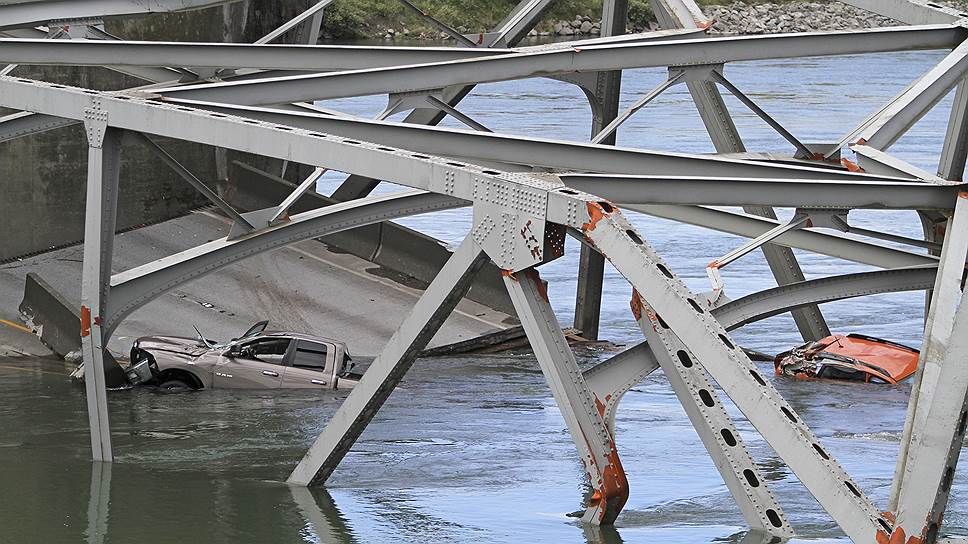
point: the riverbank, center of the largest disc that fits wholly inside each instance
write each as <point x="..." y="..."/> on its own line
<point x="390" y="21"/>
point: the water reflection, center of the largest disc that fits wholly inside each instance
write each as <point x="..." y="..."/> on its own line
<point x="323" y="518"/>
<point x="100" y="500"/>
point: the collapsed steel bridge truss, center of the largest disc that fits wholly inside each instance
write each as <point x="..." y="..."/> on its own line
<point x="528" y="194"/>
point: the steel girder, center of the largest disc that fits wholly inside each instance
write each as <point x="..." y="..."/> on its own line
<point x="137" y="286"/>
<point x="775" y="301"/>
<point x="788" y="193"/>
<point x="540" y="208"/>
<point x="310" y="87"/>
<point x="25" y="14"/>
<point x="535" y="151"/>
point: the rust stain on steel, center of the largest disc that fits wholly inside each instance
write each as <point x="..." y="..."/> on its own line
<point x="536" y="278"/>
<point x="636" y="305"/>
<point x="851" y="166"/>
<point x="85" y="321"/>
<point x="596" y="212"/>
<point x="600" y="405"/>
<point x="614" y="491"/>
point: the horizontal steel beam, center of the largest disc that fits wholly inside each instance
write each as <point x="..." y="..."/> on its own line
<point x="276" y="57"/>
<point x="318" y="58"/>
<point x="593" y="58"/>
<point x="34" y="13"/>
<point x="135" y="287"/>
<point x="751" y="226"/>
<point x="531" y="151"/>
<point x="786" y="193"/>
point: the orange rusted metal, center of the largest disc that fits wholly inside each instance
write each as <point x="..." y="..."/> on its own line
<point x="636" y="305"/>
<point x="851" y="166"/>
<point x="536" y="278"/>
<point x="596" y="212"/>
<point x="85" y="321"/>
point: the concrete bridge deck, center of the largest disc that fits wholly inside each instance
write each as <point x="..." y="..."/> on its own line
<point x="302" y="287"/>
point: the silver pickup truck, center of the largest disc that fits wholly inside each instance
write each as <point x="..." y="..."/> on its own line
<point x="256" y="360"/>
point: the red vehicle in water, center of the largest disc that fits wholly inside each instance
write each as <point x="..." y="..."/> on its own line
<point x="853" y="358"/>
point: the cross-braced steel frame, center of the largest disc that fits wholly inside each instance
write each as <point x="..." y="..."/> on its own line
<point x="528" y="194"/>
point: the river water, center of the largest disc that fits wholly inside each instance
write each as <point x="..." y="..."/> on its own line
<point x="474" y="449"/>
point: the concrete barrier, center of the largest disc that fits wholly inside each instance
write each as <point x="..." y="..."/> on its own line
<point x="58" y="324"/>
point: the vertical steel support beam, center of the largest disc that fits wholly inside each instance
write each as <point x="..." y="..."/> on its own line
<point x="726" y="138"/>
<point x="103" y="169"/>
<point x="383" y="375"/>
<point x="955" y="150"/>
<point x="739" y="378"/>
<point x="585" y="421"/>
<point x="937" y="336"/>
<point x="591" y="267"/>
<point x="715" y="428"/>
<point x="939" y="419"/>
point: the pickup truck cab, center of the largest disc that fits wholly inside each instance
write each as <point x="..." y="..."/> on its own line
<point x="257" y="360"/>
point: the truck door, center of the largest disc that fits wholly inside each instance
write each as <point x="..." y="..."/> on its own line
<point x="311" y="366"/>
<point x="259" y="364"/>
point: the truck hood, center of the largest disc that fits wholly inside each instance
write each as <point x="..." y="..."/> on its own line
<point x="174" y="344"/>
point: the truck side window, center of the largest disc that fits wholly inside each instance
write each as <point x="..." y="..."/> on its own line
<point x="310" y="355"/>
<point x="268" y="351"/>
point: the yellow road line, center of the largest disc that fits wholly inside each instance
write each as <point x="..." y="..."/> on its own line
<point x="33" y="370"/>
<point x="16" y="326"/>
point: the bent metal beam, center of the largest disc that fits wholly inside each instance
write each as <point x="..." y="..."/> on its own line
<point x="302" y="88"/>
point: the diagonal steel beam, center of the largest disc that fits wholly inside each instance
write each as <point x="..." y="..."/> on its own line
<point x="531" y="151"/>
<point x="383" y="375"/>
<point x="728" y="365"/>
<point x="894" y="119"/>
<point x="715" y="427"/>
<point x="589" y="431"/>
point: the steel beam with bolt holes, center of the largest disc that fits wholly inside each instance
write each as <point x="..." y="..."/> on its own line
<point x="938" y="331"/>
<point x="716" y="429"/>
<point x="578" y="406"/>
<point x="938" y="430"/>
<point x="383" y="375"/>
<point x="103" y="169"/>
<point x="729" y="366"/>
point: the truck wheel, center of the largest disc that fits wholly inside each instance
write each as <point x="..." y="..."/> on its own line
<point x="174" y="386"/>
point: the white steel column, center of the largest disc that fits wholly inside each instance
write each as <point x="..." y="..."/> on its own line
<point x="383" y="375"/>
<point x="951" y="166"/>
<point x="937" y="334"/>
<point x="608" y="93"/>
<point x="104" y="164"/>
<point x="939" y="426"/>
<point x="585" y="420"/>
<point x="731" y="368"/>
<point x="714" y="426"/>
